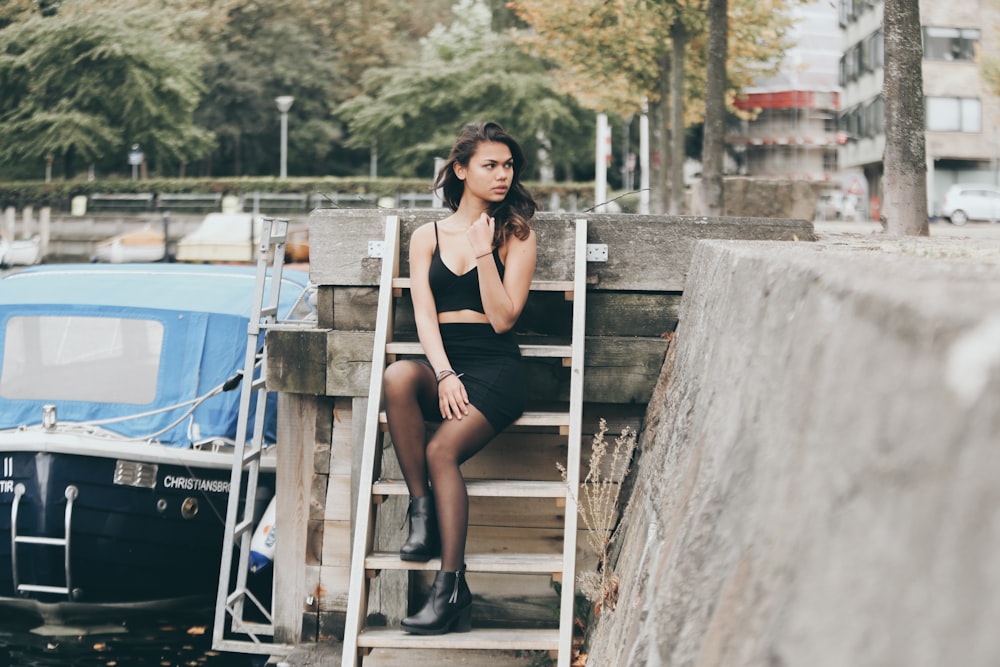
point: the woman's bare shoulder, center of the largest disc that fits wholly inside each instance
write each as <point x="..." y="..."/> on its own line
<point x="423" y="234"/>
<point x="527" y="241"/>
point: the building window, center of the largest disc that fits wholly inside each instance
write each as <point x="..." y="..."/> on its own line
<point x="850" y="10"/>
<point x="950" y="43"/>
<point x="866" y="56"/>
<point x="864" y="121"/>
<point x="830" y="161"/>
<point x="954" y="114"/>
<point x="877" y="40"/>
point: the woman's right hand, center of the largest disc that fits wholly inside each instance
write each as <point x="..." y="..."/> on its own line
<point x="480" y="234"/>
<point x="452" y="398"/>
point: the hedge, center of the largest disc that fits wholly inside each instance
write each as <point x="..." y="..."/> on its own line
<point x="58" y="194"/>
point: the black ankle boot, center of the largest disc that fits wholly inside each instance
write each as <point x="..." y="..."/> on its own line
<point x="423" y="542"/>
<point x="448" y="607"/>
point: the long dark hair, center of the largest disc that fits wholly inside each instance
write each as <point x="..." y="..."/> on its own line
<point x="517" y="208"/>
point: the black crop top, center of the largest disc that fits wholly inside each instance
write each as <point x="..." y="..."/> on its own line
<point x="453" y="292"/>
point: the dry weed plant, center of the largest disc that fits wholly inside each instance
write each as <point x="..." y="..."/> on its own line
<point x="598" y="509"/>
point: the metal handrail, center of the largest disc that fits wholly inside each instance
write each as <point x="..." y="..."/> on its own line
<point x="71" y="494"/>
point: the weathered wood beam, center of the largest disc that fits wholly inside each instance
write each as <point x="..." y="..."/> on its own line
<point x="617" y="370"/>
<point x="645" y="253"/>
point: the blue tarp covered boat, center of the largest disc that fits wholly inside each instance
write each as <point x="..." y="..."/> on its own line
<point x="118" y="406"/>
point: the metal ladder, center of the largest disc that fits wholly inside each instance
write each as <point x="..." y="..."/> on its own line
<point x="359" y="640"/>
<point x="231" y="603"/>
<point x="71" y="494"/>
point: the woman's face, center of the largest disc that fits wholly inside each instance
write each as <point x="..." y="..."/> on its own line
<point x="490" y="171"/>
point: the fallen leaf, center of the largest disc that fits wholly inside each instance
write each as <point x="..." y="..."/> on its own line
<point x="196" y="630"/>
<point x="100" y="646"/>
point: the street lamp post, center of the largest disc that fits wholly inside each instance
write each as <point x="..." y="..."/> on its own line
<point x="284" y="103"/>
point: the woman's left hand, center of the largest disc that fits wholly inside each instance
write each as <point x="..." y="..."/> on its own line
<point x="452" y="398"/>
<point x="480" y="234"/>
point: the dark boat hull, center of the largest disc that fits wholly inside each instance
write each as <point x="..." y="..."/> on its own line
<point x="140" y="532"/>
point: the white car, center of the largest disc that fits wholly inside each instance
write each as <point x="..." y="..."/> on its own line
<point x="971" y="202"/>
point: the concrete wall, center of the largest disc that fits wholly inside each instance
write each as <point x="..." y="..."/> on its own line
<point x="818" y="477"/>
<point x="793" y="199"/>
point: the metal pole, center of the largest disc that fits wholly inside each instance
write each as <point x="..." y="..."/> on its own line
<point x="284" y="145"/>
<point x="644" y="163"/>
<point x="284" y="103"/>
<point x="601" y="164"/>
<point x="626" y="183"/>
<point x="438" y="201"/>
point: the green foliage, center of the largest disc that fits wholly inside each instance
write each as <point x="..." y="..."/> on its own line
<point x="257" y="56"/>
<point x="87" y="85"/>
<point x="194" y="84"/>
<point x="466" y="72"/>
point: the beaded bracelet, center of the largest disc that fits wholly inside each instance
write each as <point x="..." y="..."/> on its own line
<point x="446" y="372"/>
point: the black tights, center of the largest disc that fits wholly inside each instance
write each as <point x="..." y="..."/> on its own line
<point x="411" y="398"/>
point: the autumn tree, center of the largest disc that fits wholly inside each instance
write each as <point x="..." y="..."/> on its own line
<point x="904" y="211"/>
<point x="614" y="55"/>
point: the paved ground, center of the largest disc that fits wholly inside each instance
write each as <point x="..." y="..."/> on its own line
<point x="977" y="243"/>
<point x="972" y="230"/>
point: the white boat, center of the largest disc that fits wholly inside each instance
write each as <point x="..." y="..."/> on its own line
<point x="140" y="245"/>
<point x="22" y="252"/>
<point x="221" y="237"/>
<point x="118" y="409"/>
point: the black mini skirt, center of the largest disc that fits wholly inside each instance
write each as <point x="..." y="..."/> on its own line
<point x="490" y="364"/>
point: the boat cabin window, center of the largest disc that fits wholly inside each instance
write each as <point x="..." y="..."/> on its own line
<point x="76" y="358"/>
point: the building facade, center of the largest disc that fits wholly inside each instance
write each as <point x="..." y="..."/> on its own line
<point x="793" y="132"/>
<point x="961" y="110"/>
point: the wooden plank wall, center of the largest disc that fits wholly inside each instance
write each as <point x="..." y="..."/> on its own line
<point x="323" y="374"/>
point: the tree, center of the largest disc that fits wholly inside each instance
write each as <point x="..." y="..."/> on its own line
<point x="904" y="211"/>
<point x="713" y="150"/>
<point x="264" y="50"/>
<point x="89" y="81"/>
<point x="313" y="50"/>
<point x="465" y="72"/>
<point x="613" y="55"/>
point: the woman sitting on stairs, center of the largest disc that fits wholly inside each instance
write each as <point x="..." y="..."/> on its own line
<point x="469" y="279"/>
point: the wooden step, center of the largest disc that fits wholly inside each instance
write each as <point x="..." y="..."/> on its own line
<point x="506" y="562"/>
<point x="528" y="419"/>
<point x="489" y="488"/>
<point x="419" y="657"/>
<point x="491" y="639"/>
<point x="536" y="285"/>
<point x="527" y="350"/>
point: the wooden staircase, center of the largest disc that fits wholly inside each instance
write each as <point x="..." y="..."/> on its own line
<point x="366" y="563"/>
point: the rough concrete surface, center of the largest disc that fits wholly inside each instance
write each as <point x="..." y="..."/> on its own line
<point x="819" y="474"/>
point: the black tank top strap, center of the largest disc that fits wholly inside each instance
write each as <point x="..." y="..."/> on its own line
<point x="437" y="242"/>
